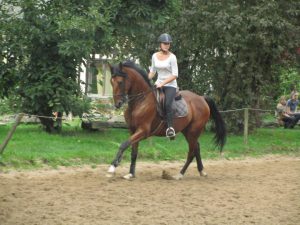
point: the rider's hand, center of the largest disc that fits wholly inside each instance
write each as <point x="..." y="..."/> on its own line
<point x="159" y="85"/>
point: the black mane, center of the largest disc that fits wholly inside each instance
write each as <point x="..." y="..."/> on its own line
<point x="140" y="71"/>
<point x="116" y="71"/>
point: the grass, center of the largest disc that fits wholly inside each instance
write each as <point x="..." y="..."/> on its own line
<point x="30" y="147"/>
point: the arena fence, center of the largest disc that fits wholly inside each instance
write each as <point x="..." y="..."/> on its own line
<point x="244" y="115"/>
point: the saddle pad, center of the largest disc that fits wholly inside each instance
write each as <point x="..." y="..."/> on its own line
<point x="179" y="108"/>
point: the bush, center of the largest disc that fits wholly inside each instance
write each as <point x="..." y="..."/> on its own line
<point x="80" y="105"/>
<point x="6" y="106"/>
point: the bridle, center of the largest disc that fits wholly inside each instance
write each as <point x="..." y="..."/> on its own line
<point x="134" y="98"/>
<point x="123" y="95"/>
<point x="129" y="98"/>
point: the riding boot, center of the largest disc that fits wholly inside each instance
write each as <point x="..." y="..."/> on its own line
<point x="170" y="132"/>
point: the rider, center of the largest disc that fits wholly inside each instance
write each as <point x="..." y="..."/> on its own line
<point x="164" y="63"/>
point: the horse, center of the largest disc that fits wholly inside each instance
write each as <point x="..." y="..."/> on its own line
<point x="130" y="84"/>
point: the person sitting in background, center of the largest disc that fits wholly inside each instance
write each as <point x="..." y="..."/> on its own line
<point x="282" y="117"/>
<point x="291" y="110"/>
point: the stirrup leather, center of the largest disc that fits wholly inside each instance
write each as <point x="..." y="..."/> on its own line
<point x="170" y="132"/>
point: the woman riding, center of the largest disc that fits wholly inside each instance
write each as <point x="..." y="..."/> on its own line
<point x="164" y="63"/>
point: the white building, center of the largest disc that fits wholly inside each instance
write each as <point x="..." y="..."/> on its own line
<point x="95" y="77"/>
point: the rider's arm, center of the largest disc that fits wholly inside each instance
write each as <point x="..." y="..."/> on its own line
<point x="151" y="75"/>
<point x="152" y="72"/>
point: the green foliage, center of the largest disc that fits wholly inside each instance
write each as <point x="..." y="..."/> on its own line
<point x="5" y="107"/>
<point x="10" y="105"/>
<point x="289" y="80"/>
<point x="229" y="49"/>
<point x="138" y="39"/>
<point x="45" y="43"/>
<point x="80" y="106"/>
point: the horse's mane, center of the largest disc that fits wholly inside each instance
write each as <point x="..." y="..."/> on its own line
<point x="140" y="71"/>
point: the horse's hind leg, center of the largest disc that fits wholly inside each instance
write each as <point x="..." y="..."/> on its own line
<point x="189" y="159"/>
<point x="194" y="151"/>
<point x="191" y="154"/>
<point x="199" y="161"/>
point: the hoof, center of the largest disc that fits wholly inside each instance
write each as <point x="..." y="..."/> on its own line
<point x="203" y="174"/>
<point x="111" y="171"/>
<point x="128" y="176"/>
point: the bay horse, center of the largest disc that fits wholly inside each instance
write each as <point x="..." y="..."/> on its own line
<point x="131" y="84"/>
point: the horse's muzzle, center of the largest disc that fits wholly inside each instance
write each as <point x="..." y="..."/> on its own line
<point x="119" y="104"/>
<point x="121" y="101"/>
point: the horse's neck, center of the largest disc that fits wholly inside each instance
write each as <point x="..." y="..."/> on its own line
<point x="138" y="86"/>
<point x="141" y="93"/>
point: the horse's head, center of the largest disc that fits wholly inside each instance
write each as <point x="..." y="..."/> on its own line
<point x="120" y="84"/>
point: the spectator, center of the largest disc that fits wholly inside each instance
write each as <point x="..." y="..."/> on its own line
<point x="291" y="110"/>
<point x="282" y="117"/>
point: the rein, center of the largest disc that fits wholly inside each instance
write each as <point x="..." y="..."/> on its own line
<point x="129" y="98"/>
<point x="135" y="97"/>
<point x="139" y="96"/>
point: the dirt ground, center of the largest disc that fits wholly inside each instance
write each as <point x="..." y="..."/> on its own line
<point x="251" y="191"/>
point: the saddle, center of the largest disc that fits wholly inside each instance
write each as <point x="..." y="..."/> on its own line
<point x="179" y="105"/>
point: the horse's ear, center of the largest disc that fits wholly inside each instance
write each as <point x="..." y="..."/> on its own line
<point x="120" y="66"/>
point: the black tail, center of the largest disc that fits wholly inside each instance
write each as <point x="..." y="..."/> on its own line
<point x="220" y="127"/>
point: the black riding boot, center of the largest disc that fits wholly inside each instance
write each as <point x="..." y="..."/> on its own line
<point x="170" y="132"/>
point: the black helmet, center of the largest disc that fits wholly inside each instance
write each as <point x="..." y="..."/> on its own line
<point x="165" y="38"/>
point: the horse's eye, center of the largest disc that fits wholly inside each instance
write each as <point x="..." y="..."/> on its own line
<point x="120" y="83"/>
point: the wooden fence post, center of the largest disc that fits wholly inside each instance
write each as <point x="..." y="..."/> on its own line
<point x="246" y="124"/>
<point x="11" y="132"/>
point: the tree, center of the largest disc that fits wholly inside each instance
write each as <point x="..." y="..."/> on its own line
<point x="137" y="25"/>
<point x="231" y="49"/>
<point x="8" y="46"/>
<point x="289" y="80"/>
<point x="228" y="49"/>
<point x="44" y="43"/>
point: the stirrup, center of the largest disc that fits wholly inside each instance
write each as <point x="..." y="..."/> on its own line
<point x="170" y="132"/>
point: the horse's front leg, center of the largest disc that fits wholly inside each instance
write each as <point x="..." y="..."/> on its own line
<point x="135" y="138"/>
<point x="118" y="158"/>
<point x="134" y="153"/>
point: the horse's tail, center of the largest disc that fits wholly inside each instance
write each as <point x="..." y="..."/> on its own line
<point x="220" y="127"/>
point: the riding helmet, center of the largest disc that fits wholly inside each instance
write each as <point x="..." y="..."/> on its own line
<point x="165" y="38"/>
